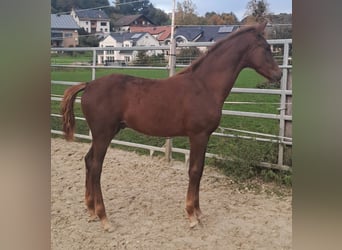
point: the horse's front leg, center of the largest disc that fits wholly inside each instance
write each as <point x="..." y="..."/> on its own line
<point x="198" y="145"/>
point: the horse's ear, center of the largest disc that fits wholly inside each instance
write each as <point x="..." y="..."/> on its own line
<point x="261" y="27"/>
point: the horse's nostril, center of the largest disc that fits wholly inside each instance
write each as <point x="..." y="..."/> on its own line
<point x="279" y="76"/>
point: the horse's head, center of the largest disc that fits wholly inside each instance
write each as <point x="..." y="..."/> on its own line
<point x="260" y="57"/>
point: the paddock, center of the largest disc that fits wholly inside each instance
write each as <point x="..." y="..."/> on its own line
<point x="145" y="204"/>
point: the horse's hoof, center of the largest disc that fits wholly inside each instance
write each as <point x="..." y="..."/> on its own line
<point x="106" y="226"/>
<point x="193" y="223"/>
<point x="199" y="215"/>
<point x="92" y="218"/>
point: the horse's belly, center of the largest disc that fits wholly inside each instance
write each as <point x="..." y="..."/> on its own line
<point x="156" y="123"/>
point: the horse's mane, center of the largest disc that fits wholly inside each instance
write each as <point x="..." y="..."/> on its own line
<point x="219" y="44"/>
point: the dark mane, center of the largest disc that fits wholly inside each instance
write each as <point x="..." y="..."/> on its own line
<point x="199" y="61"/>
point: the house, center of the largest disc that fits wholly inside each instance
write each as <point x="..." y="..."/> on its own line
<point x="125" y="40"/>
<point x="211" y="33"/>
<point x="126" y="22"/>
<point x="64" y="31"/>
<point x="92" y="21"/>
<point x="161" y="33"/>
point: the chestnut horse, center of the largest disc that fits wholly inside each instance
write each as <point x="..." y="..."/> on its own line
<point x="186" y="104"/>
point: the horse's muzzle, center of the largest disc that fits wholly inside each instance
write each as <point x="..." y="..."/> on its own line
<point x="277" y="76"/>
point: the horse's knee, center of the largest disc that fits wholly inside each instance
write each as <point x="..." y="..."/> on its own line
<point x="195" y="172"/>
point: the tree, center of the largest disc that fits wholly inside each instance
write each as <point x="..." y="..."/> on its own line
<point x="187" y="55"/>
<point x="142" y="58"/>
<point x="212" y="18"/>
<point x="58" y="6"/>
<point x="256" y="11"/>
<point x="229" y="18"/>
<point x="87" y="40"/>
<point x="157" y="16"/>
<point x="131" y="7"/>
<point x="186" y="13"/>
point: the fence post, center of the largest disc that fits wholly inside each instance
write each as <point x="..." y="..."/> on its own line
<point x="288" y="111"/>
<point x="172" y="65"/>
<point x="283" y="86"/>
<point x="93" y="73"/>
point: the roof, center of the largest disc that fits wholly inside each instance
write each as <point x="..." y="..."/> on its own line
<point x="63" y="22"/>
<point x="124" y="36"/>
<point x="128" y="20"/>
<point x="161" y="32"/>
<point x="91" y="14"/>
<point x="190" y="33"/>
<point x="211" y="33"/>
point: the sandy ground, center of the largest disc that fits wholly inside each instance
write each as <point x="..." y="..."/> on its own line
<point x="145" y="199"/>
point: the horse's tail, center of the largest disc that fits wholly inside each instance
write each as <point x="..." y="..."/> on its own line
<point x="67" y="110"/>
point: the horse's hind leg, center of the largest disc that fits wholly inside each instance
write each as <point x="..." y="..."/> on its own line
<point x="89" y="194"/>
<point x="94" y="160"/>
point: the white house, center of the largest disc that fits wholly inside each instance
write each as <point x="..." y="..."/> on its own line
<point x="125" y="40"/>
<point x="93" y="21"/>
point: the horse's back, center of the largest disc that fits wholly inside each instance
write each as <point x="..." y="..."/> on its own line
<point x="167" y="107"/>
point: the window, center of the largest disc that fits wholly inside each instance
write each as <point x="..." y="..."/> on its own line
<point x="111" y="52"/>
<point x="103" y="24"/>
<point x="67" y="34"/>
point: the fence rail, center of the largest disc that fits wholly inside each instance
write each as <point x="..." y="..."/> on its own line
<point x="284" y="117"/>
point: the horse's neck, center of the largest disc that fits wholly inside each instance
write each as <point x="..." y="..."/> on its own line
<point x="220" y="70"/>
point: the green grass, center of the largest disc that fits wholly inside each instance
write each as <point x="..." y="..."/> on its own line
<point x="71" y="57"/>
<point x="250" y="151"/>
<point x="84" y="75"/>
